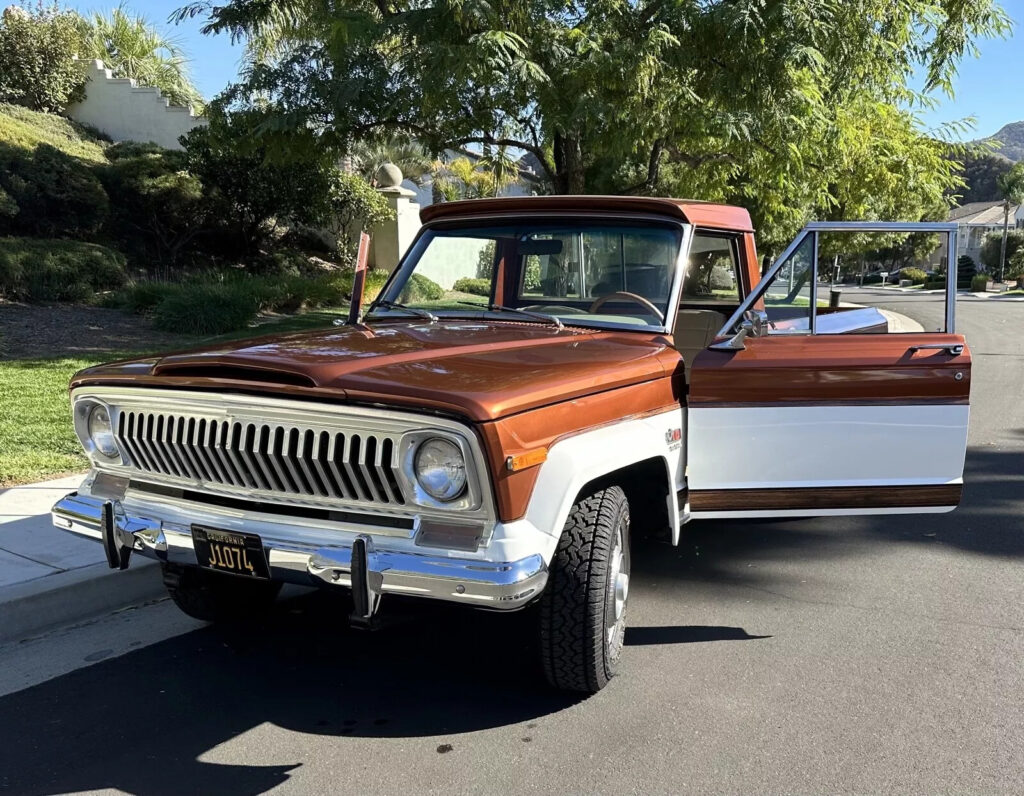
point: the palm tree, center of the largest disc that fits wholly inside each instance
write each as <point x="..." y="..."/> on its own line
<point x="1011" y="186"/>
<point x="414" y="161"/>
<point x="131" y="46"/>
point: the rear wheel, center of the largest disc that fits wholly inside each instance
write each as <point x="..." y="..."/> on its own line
<point x="583" y="608"/>
<point x="213" y="597"/>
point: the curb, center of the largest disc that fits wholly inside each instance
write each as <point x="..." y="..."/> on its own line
<point x="51" y="601"/>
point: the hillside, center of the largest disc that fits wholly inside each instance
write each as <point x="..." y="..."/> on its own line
<point x="24" y="129"/>
<point x="1009" y="141"/>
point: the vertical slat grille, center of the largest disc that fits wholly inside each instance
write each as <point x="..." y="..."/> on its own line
<point x="293" y="461"/>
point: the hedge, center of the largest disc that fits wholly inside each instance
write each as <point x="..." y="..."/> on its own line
<point x="917" y="276"/>
<point x="478" y="287"/>
<point x="420" y="288"/>
<point x="33" y="269"/>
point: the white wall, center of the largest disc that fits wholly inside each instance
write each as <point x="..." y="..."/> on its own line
<point x="391" y="239"/>
<point x="127" y="112"/>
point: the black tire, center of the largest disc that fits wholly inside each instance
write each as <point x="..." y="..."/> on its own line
<point x="582" y="614"/>
<point x="212" y="597"/>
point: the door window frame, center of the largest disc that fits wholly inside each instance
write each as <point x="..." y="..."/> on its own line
<point x="815" y="228"/>
<point x="734" y="239"/>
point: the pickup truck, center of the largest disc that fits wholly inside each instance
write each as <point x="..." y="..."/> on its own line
<point x="595" y="368"/>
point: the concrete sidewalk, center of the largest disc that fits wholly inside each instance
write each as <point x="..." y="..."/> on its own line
<point x="49" y="577"/>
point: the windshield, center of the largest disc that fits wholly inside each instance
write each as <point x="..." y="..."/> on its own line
<point x="600" y="274"/>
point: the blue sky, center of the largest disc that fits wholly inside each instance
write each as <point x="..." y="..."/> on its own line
<point x="990" y="88"/>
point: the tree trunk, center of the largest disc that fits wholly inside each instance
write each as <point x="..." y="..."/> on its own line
<point x="569" y="177"/>
<point x="1002" y="248"/>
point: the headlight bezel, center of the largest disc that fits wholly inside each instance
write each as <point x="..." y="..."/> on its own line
<point x="468" y="498"/>
<point x="85" y="411"/>
<point x="442" y="449"/>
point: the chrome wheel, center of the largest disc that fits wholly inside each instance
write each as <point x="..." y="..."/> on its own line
<point x="618" y="587"/>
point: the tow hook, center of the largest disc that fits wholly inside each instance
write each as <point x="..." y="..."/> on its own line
<point x="366" y="586"/>
<point x="117" y="544"/>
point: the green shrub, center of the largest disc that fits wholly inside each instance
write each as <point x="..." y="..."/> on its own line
<point x="352" y="205"/>
<point x="965" y="271"/>
<point x="979" y="283"/>
<point x="205" y="309"/>
<point x="935" y="284"/>
<point x="419" y="288"/>
<point x="160" y="212"/>
<point x="375" y="280"/>
<point x="993" y="246"/>
<point x="141" y="298"/>
<point x="37" y="49"/>
<point x="57" y="270"/>
<point x="478" y="287"/>
<point x="1015" y="266"/>
<point x="55" y="193"/>
<point x="247" y="190"/>
<point x="287" y="261"/>
<point x="916" y="275"/>
<point x="26" y="129"/>
<point x="291" y="293"/>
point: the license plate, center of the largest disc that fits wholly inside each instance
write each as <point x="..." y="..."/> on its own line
<point x="230" y="551"/>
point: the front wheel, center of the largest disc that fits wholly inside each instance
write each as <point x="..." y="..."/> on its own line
<point x="583" y="608"/>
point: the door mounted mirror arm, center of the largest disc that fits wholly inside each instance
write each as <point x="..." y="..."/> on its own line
<point x="752" y="325"/>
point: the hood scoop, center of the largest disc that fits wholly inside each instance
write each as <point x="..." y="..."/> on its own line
<point x="234" y="373"/>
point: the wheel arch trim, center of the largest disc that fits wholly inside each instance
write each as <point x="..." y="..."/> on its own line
<point x="595" y="455"/>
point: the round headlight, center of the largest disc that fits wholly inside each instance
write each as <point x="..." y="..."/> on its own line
<point x="100" y="431"/>
<point x="441" y="469"/>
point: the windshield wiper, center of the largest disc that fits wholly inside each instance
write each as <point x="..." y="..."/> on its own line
<point x="499" y="308"/>
<point x="394" y="305"/>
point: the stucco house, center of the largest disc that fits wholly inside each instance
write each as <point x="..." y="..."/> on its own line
<point x="977" y="220"/>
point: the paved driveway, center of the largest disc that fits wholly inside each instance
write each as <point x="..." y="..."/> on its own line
<point x="839" y="655"/>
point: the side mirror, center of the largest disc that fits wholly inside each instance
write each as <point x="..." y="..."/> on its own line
<point x="753" y="324"/>
<point x="755" y="321"/>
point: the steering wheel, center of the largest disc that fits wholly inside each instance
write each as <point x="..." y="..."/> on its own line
<point x="622" y="294"/>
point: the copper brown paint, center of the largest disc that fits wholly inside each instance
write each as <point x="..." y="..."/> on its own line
<point x="700" y="214"/>
<point x="478" y="370"/>
<point x="832" y="369"/>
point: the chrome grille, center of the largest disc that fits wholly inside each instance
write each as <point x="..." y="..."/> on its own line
<point x="288" y="460"/>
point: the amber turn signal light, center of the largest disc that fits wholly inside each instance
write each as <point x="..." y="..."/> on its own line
<point x="524" y="460"/>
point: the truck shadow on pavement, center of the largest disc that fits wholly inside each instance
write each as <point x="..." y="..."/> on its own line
<point x="988" y="522"/>
<point x="149" y="722"/>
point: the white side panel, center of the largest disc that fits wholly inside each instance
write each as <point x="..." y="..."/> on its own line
<point x="575" y="461"/>
<point x="774" y="447"/>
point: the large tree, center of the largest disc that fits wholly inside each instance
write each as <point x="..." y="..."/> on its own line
<point x="788" y="105"/>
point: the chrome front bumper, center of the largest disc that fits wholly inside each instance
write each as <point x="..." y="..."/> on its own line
<point x="495" y="585"/>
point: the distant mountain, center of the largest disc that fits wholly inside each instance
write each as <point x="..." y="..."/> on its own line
<point x="1009" y="141"/>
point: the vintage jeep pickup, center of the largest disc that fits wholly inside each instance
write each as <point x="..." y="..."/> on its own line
<point x="595" y="367"/>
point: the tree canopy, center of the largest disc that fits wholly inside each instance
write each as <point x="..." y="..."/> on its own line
<point x="791" y="107"/>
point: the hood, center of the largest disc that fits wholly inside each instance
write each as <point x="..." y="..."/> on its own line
<point x="480" y="369"/>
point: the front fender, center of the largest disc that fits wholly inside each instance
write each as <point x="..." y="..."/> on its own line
<point x="575" y="461"/>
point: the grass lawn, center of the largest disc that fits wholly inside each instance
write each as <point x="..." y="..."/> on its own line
<point x="36" y="437"/>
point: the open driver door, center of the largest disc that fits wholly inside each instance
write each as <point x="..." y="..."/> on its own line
<point x="805" y="407"/>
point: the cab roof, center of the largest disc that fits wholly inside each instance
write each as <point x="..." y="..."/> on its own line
<point x="693" y="211"/>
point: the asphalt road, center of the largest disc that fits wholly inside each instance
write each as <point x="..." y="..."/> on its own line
<point x="874" y="654"/>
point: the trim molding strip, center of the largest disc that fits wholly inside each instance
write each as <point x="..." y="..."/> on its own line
<point x="841" y="497"/>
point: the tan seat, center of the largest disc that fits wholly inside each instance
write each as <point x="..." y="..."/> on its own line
<point x="694" y="331"/>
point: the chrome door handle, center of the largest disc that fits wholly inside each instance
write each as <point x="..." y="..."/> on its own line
<point x="954" y="349"/>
